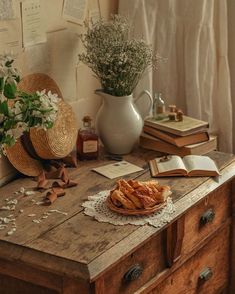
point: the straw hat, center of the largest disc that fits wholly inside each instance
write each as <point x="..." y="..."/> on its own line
<point x="53" y="143"/>
<point x="60" y="140"/>
<point x="22" y="161"/>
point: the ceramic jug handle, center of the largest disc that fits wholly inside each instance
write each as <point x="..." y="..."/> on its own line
<point x="149" y="96"/>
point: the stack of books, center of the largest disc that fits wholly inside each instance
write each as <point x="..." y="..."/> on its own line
<point x="187" y="137"/>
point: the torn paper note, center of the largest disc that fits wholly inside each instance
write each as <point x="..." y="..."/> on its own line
<point x="39" y="58"/>
<point x="118" y="169"/>
<point x="94" y="15"/>
<point x="75" y="10"/>
<point x="10" y="36"/>
<point x="33" y="28"/>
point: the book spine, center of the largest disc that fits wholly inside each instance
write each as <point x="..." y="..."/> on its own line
<point x="162" y="147"/>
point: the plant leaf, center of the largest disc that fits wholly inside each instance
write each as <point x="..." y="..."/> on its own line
<point x="4" y="108"/>
<point x="1" y="84"/>
<point x="10" y="91"/>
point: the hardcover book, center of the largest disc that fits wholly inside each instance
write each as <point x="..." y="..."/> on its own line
<point x="152" y="143"/>
<point x="178" y="141"/>
<point x="190" y="165"/>
<point x="186" y="127"/>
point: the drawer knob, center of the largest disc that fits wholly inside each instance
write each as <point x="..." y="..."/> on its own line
<point x="206" y="274"/>
<point x="133" y="273"/>
<point x="207" y="217"/>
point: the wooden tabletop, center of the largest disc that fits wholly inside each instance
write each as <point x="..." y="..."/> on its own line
<point x="76" y="244"/>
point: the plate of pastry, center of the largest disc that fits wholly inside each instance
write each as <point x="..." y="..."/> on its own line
<point x="138" y="198"/>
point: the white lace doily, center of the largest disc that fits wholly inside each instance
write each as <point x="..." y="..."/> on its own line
<point x="97" y="208"/>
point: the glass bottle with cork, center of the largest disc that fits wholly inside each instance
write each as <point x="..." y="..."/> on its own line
<point x="87" y="141"/>
<point x="159" y="109"/>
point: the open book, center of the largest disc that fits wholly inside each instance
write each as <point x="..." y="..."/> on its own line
<point x="190" y="165"/>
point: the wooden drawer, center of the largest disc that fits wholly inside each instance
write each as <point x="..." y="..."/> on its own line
<point x="150" y="258"/>
<point x="206" y="217"/>
<point x="212" y="260"/>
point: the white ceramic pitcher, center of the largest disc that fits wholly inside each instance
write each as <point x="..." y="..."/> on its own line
<point x="119" y="123"/>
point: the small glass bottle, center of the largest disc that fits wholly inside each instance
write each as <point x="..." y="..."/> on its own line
<point x="87" y="141"/>
<point x="159" y="108"/>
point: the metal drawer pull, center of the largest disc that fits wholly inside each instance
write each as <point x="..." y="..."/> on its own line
<point x="206" y="274"/>
<point x="133" y="273"/>
<point x="207" y="217"/>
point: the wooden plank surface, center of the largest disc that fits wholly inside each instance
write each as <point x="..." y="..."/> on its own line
<point x="78" y="238"/>
<point x="88" y="183"/>
<point x="232" y="243"/>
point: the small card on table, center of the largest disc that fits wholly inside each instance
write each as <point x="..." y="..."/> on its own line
<point x="118" y="169"/>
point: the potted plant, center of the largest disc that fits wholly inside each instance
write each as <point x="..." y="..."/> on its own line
<point x="118" y="62"/>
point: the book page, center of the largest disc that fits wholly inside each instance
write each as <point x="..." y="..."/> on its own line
<point x="174" y="163"/>
<point x="198" y="162"/>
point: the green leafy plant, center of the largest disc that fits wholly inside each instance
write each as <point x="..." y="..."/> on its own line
<point x="117" y="61"/>
<point x="19" y="111"/>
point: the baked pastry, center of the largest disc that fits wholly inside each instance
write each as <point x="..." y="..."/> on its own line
<point x="132" y="194"/>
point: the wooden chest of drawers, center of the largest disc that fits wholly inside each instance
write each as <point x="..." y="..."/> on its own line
<point x="75" y="254"/>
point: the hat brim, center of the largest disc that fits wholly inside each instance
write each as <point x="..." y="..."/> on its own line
<point x="17" y="154"/>
<point x="22" y="161"/>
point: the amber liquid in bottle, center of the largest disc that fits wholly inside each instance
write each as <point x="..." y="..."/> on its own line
<point x="87" y="142"/>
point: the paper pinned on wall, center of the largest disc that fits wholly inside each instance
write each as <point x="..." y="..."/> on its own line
<point x="94" y="15"/>
<point x="7" y="10"/>
<point x="39" y="58"/>
<point x="75" y="10"/>
<point x="33" y="29"/>
<point x="10" y="36"/>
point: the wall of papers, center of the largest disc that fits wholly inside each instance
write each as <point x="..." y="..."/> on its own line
<point x="44" y="37"/>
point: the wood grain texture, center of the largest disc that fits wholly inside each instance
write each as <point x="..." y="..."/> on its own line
<point x="195" y="232"/>
<point x="150" y="256"/>
<point x="232" y="243"/>
<point x="168" y="272"/>
<point x="174" y="239"/>
<point x="98" y="286"/>
<point x="71" y="286"/>
<point x="70" y="203"/>
<point x="110" y="257"/>
<point x="75" y="246"/>
<point x="9" y="285"/>
<point x="214" y="255"/>
<point x="31" y="275"/>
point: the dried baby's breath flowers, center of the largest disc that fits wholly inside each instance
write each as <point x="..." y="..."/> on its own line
<point x="117" y="61"/>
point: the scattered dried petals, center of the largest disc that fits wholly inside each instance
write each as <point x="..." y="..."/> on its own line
<point x="40" y="202"/>
<point x="51" y="197"/>
<point x="37" y="221"/>
<point x="9" y="233"/>
<point x="22" y="190"/>
<point x="28" y="193"/>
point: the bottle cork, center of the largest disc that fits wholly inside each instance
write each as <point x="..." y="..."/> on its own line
<point x="172" y="108"/>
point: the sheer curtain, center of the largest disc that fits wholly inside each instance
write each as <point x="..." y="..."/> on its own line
<point x="192" y="36"/>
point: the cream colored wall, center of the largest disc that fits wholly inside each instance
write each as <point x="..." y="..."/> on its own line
<point x="58" y="56"/>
